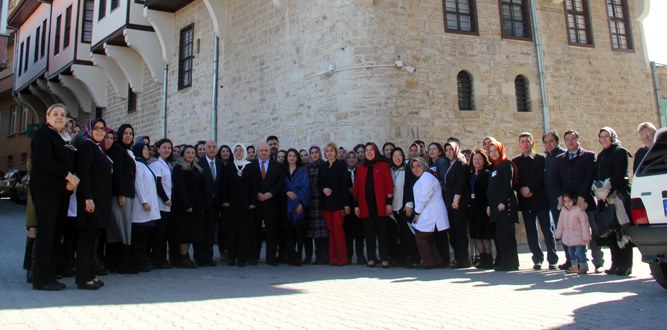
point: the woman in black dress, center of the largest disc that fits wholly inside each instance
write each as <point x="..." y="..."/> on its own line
<point x="456" y="198"/>
<point x="481" y="228"/>
<point x="93" y="201"/>
<point x="187" y="213"/>
<point x="51" y="183"/>
<point x="502" y="208"/>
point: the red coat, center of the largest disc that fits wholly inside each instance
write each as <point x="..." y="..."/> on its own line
<point x="384" y="187"/>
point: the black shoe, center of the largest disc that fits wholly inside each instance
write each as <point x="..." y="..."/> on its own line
<point x="99" y="282"/>
<point x="611" y="270"/>
<point x="385" y="264"/>
<point x="188" y="263"/>
<point x="553" y="267"/>
<point x="101" y="271"/>
<point x="28" y="276"/>
<point x="461" y="265"/>
<point x="211" y="263"/>
<point x="537" y="266"/>
<point x="621" y="271"/>
<point x="361" y="261"/>
<point x="90" y="285"/>
<point x="53" y="286"/>
<point x="241" y="264"/>
<point x="565" y="266"/>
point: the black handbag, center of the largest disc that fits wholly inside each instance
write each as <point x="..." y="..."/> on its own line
<point x="605" y="220"/>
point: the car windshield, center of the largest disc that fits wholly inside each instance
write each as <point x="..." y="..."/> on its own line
<point x="655" y="161"/>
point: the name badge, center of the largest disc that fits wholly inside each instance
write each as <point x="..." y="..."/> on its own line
<point x="493" y="173"/>
<point x="472" y="196"/>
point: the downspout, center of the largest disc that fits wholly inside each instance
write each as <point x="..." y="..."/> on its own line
<point x="656" y="86"/>
<point x="214" y="107"/>
<point x="164" y="100"/>
<point x="540" y="66"/>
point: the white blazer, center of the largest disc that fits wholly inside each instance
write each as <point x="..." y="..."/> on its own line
<point x="429" y="204"/>
<point x="161" y="169"/>
<point x="145" y="192"/>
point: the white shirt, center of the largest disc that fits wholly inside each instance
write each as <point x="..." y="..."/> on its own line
<point x="429" y="204"/>
<point x="162" y="170"/>
<point x="145" y="192"/>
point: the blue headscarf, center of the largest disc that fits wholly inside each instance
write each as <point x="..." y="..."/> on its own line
<point x="137" y="150"/>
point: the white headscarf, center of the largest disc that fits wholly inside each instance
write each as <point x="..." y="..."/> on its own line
<point x="243" y="161"/>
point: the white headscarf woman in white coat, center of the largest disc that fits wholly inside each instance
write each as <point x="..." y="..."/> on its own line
<point x="430" y="213"/>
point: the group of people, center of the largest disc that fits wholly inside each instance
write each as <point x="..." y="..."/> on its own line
<point x="109" y="201"/>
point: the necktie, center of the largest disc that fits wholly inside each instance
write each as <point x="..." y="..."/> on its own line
<point x="213" y="169"/>
<point x="263" y="170"/>
<point x="571" y="155"/>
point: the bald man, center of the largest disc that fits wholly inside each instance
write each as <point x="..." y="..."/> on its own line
<point x="212" y="188"/>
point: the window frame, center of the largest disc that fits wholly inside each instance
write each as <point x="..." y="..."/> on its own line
<point x="20" y="61"/>
<point x="588" y="27"/>
<point x="87" y="33"/>
<point x="43" y="46"/>
<point x="625" y="20"/>
<point x="465" y="96"/>
<point x="523" y="99"/>
<point x="102" y="10"/>
<point x="12" y="120"/>
<point x="56" y="36"/>
<point x="23" y="127"/>
<point x="183" y="73"/>
<point x="527" y="20"/>
<point x="131" y="100"/>
<point x="27" y="54"/>
<point x="68" y="27"/>
<point x="472" y="4"/>
<point x="38" y="34"/>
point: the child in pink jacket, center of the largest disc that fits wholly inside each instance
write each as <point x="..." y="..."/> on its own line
<point x="575" y="231"/>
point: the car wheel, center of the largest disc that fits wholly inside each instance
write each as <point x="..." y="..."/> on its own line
<point x="659" y="271"/>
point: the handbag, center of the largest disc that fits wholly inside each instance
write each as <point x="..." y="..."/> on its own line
<point x="605" y="220"/>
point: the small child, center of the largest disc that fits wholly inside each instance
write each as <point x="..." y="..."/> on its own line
<point x="575" y="231"/>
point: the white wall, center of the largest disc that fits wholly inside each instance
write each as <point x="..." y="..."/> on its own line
<point x="28" y="30"/>
<point x="66" y="55"/>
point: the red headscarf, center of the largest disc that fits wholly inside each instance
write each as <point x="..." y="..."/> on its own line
<point x="503" y="157"/>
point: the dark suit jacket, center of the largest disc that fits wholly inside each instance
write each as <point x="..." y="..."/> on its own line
<point x="212" y="189"/>
<point x="274" y="182"/>
<point x="455" y="183"/>
<point x="531" y="175"/>
<point x="94" y="169"/>
<point x="51" y="161"/>
<point x="575" y="176"/>
<point x="124" y="171"/>
<point x="336" y="178"/>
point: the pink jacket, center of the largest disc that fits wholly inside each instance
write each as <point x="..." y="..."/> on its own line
<point x="573" y="227"/>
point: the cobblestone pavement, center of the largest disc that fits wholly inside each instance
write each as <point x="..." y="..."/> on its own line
<point x="326" y="297"/>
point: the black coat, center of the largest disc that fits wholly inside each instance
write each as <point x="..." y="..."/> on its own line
<point x="575" y="176"/>
<point x="500" y="190"/>
<point x="212" y="189"/>
<point x="240" y="192"/>
<point x="612" y="163"/>
<point x="187" y="193"/>
<point x="550" y="177"/>
<point x="531" y="175"/>
<point x="274" y="182"/>
<point x="124" y="171"/>
<point x="336" y="178"/>
<point x="455" y="183"/>
<point x="94" y="169"/>
<point x="639" y="156"/>
<point x="52" y="160"/>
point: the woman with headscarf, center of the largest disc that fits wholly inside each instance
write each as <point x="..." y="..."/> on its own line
<point x="373" y="195"/>
<point x="334" y="188"/>
<point x="187" y="212"/>
<point x="502" y="209"/>
<point x="119" y="234"/>
<point x="317" y="226"/>
<point x="430" y="213"/>
<point x="611" y="166"/>
<point x="162" y="171"/>
<point x="456" y="199"/>
<point x="94" y="168"/>
<point x="239" y="200"/>
<point x="145" y="208"/>
<point x="51" y="183"/>
<point x="297" y="191"/>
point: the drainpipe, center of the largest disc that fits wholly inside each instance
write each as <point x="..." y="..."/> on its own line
<point x="540" y="66"/>
<point x="164" y="100"/>
<point x="214" y="108"/>
<point x="656" y="86"/>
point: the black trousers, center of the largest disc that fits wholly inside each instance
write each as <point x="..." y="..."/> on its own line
<point x="141" y="234"/>
<point x="294" y="236"/>
<point x="620" y="257"/>
<point x="70" y="234"/>
<point x="458" y="234"/>
<point x="409" y="254"/>
<point x="506" y="245"/>
<point x="375" y="228"/>
<point x="158" y="241"/>
<point x="238" y="245"/>
<point x="86" y="250"/>
<point x="267" y="213"/>
<point x="442" y="244"/>
<point x="203" y="251"/>
<point x="354" y="236"/>
<point x="51" y="211"/>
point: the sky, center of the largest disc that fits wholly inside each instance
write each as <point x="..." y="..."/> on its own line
<point x="655" y="31"/>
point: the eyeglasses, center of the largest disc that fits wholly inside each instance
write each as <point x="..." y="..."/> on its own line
<point x="99" y="129"/>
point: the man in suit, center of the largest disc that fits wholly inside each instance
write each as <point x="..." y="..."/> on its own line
<point x="274" y="145"/>
<point x="271" y="186"/>
<point x="575" y="170"/>
<point x="533" y="202"/>
<point x="212" y="188"/>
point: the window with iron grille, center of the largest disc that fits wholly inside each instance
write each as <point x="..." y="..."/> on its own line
<point x="515" y="18"/>
<point x="87" y="21"/>
<point x="38" y="33"/>
<point x="522" y="91"/>
<point x="464" y="85"/>
<point x="131" y="100"/>
<point x="68" y="26"/>
<point x="102" y="10"/>
<point x="460" y="16"/>
<point x="56" y="39"/>
<point x="185" y="57"/>
<point x="619" y="25"/>
<point x="578" y="22"/>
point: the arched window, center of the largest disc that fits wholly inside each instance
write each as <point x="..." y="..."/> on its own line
<point x="465" y="91"/>
<point x="522" y="91"/>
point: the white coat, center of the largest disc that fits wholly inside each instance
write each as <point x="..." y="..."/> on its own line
<point x="162" y="170"/>
<point x="429" y="204"/>
<point x="145" y="192"/>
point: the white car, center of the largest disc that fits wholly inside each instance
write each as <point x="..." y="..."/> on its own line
<point x="649" y="208"/>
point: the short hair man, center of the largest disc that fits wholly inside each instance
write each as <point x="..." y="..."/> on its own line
<point x="271" y="183"/>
